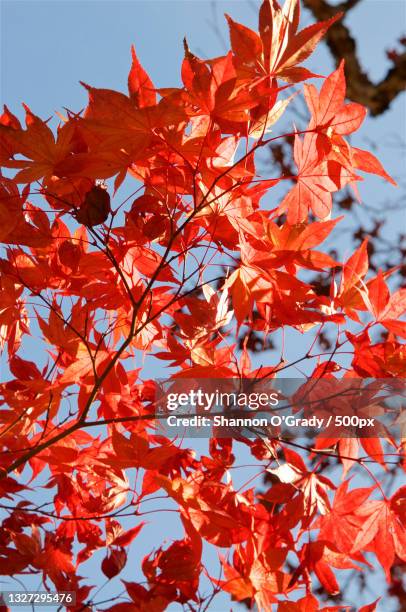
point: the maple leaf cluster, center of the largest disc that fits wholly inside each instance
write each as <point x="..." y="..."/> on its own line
<point x="194" y="252"/>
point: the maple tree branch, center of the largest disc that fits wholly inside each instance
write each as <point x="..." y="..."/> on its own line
<point x="328" y="453"/>
<point x="132" y="332"/>
<point x="79" y="424"/>
<point x="82" y="423"/>
<point x="120" y="513"/>
<point x="360" y="88"/>
<point x="116" y="265"/>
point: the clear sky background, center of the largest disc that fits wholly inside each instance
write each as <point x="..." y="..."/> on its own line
<point x="48" y="46"/>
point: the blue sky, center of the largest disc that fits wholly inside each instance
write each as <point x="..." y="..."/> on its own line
<point x="47" y="47"/>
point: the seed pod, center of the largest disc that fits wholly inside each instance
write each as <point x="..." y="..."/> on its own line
<point x="95" y="208"/>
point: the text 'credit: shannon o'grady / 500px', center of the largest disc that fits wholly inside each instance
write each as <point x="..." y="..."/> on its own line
<point x="148" y="235"/>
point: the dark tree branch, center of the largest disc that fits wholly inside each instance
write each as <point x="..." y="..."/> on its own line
<point x="375" y="96"/>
